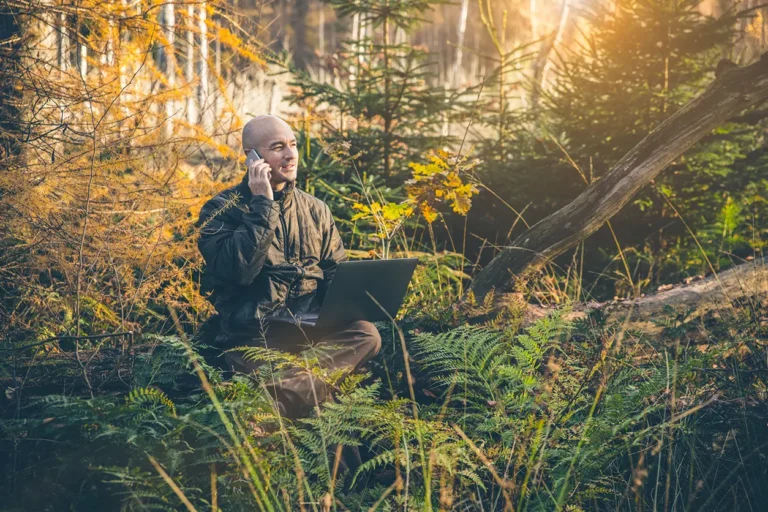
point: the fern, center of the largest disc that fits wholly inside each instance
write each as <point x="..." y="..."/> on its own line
<point x="484" y="367"/>
<point x="150" y="397"/>
<point x="170" y="363"/>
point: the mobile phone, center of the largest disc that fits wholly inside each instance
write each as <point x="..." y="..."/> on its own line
<point x="253" y="155"/>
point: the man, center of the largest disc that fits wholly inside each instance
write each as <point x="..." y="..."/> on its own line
<point x="271" y="251"/>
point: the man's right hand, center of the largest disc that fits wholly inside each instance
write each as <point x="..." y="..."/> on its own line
<point x="259" y="174"/>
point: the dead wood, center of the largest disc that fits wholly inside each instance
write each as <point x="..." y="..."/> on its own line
<point x="733" y="90"/>
<point x="722" y="295"/>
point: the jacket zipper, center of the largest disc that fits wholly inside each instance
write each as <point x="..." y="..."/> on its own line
<point x="285" y="246"/>
<point x="285" y="233"/>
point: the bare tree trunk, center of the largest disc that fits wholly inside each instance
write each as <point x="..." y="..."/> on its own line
<point x="189" y="71"/>
<point x="217" y="71"/>
<point x="332" y="39"/>
<point x="733" y="90"/>
<point x="298" y="23"/>
<point x="122" y="68"/>
<point x="356" y="37"/>
<point x="108" y="56"/>
<point x="169" y="27"/>
<point x="274" y="98"/>
<point x="11" y="113"/>
<point x="111" y="41"/>
<point x="63" y="47"/>
<point x="461" y="30"/>
<point x="45" y="47"/>
<point x="63" y="42"/>
<point x="541" y="64"/>
<point x="203" y="86"/>
<point x="321" y="39"/>
<point x="474" y="66"/>
<point x="83" y="64"/>
<point x="283" y="26"/>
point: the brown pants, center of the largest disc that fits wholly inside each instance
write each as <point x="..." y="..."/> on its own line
<point x="349" y="347"/>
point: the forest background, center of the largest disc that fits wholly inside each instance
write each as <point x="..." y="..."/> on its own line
<point x="441" y="130"/>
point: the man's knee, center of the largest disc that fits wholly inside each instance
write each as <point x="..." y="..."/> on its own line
<point x="369" y="336"/>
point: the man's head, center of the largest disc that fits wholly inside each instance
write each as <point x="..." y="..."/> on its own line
<point x="273" y="139"/>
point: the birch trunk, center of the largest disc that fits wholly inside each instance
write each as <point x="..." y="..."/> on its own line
<point x="169" y="28"/>
<point x="356" y="46"/>
<point x="122" y="69"/>
<point x="189" y="71"/>
<point x="217" y="73"/>
<point x="461" y="31"/>
<point x="63" y="43"/>
<point x="203" y="86"/>
<point x="83" y="63"/>
<point x="45" y="50"/>
<point x="111" y="39"/>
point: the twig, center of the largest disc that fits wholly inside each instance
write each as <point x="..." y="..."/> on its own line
<point x="62" y="338"/>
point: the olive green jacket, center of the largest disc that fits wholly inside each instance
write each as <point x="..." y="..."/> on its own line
<point x="266" y="257"/>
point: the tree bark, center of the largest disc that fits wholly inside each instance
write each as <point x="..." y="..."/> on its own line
<point x="460" y="33"/>
<point x="541" y="64"/>
<point x="321" y="39"/>
<point x="203" y="86"/>
<point x="217" y="78"/>
<point x="733" y="90"/>
<point x="715" y="294"/>
<point x="169" y="27"/>
<point x="300" y="46"/>
<point x="11" y="113"/>
<point x="63" y="42"/>
<point x="742" y="285"/>
<point x="83" y="63"/>
<point x="189" y="71"/>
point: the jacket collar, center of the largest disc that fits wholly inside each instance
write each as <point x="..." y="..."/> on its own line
<point x="285" y="196"/>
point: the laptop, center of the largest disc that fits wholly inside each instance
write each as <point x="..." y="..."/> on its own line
<point x="348" y="299"/>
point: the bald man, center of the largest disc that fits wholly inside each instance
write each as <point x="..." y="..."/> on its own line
<point x="271" y="251"/>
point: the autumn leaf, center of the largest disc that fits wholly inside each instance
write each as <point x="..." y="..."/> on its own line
<point x="429" y="213"/>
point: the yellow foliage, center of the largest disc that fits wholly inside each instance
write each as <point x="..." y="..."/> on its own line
<point x="430" y="185"/>
<point x="439" y="181"/>
<point x="98" y="211"/>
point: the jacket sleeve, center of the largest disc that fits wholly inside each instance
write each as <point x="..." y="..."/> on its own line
<point x="235" y="252"/>
<point x="332" y="252"/>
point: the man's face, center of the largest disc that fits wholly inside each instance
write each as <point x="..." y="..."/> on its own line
<point x="278" y="148"/>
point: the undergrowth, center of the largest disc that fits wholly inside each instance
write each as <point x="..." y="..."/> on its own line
<point x="568" y="416"/>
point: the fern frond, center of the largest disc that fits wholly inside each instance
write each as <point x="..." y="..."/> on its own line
<point x="151" y="397"/>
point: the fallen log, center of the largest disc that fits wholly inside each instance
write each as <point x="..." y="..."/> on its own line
<point x="720" y="295"/>
<point x="733" y="90"/>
